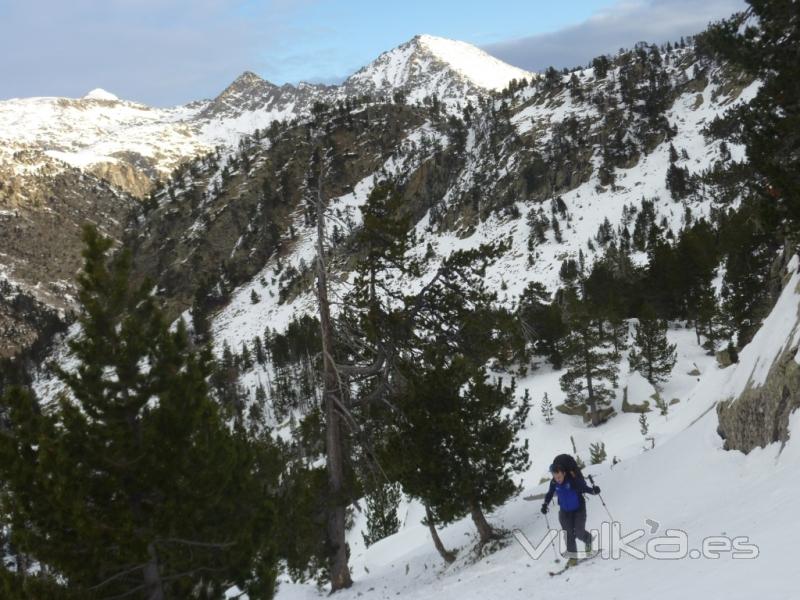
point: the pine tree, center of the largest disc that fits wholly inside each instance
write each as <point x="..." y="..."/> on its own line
<point x="652" y="354"/>
<point x="673" y="154"/>
<point x="661" y="405"/>
<point x="301" y="533"/>
<point x="225" y="382"/>
<point x="547" y="409"/>
<point x="590" y="363"/>
<point x="601" y="64"/>
<point x="556" y="230"/>
<point x="246" y="358"/>
<point x="749" y="252"/>
<point x="261" y="395"/>
<point x="643" y="427"/>
<point x="382" y="518"/>
<point x="708" y="320"/>
<point x="454" y="446"/>
<point x="541" y="322"/>
<point x="763" y="40"/>
<point x="691" y="277"/>
<point x="597" y="453"/>
<point x="678" y="181"/>
<point x="228" y="361"/>
<point x="258" y="350"/>
<point x="133" y="483"/>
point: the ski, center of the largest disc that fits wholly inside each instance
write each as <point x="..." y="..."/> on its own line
<point x="566" y="568"/>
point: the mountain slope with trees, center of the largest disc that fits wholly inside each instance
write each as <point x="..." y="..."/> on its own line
<point x="419" y="294"/>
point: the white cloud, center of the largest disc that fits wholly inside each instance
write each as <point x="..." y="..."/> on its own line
<point x="620" y="26"/>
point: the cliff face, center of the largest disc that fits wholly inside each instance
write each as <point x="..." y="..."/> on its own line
<point x="759" y="414"/>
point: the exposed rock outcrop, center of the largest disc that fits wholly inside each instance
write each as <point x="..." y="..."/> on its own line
<point x="759" y="415"/>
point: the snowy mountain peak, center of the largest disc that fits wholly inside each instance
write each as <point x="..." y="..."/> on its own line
<point x="427" y="65"/>
<point x="247" y="92"/>
<point x="473" y="63"/>
<point x="246" y="83"/>
<point x="101" y="94"/>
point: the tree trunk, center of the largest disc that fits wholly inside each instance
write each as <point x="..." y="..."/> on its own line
<point x="339" y="570"/>
<point x="485" y="530"/>
<point x="152" y="578"/>
<point x="591" y="400"/>
<point x="446" y="555"/>
<point x="22" y="565"/>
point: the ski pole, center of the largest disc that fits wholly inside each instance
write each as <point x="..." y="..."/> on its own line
<point x="552" y="542"/>
<point x="601" y="499"/>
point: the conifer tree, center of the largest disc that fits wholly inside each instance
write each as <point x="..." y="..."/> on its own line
<point x="547" y="409"/>
<point x="749" y="252"/>
<point x="678" y="181"/>
<point x="301" y="534"/>
<point x="541" y="322"/>
<point x="590" y="363"/>
<point x="661" y="405"/>
<point x="556" y="230"/>
<point x="454" y="445"/>
<point x="261" y="395"/>
<point x="652" y="354"/>
<point x="258" y="350"/>
<point x="643" y="427"/>
<point x="382" y="518"/>
<point x="708" y="319"/>
<point x="597" y="453"/>
<point x="692" y="273"/>
<point x="246" y="358"/>
<point x="601" y="65"/>
<point x="133" y="483"/>
<point x="763" y="40"/>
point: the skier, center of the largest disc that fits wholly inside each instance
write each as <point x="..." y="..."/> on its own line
<point x="569" y="485"/>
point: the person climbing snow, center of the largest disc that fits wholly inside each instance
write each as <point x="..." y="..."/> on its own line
<point x="569" y="486"/>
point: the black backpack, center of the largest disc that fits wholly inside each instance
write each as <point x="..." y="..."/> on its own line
<point x="569" y="464"/>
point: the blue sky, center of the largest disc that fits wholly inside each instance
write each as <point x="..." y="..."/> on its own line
<point x="328" y="40"/>
<point x="165" y="52"/>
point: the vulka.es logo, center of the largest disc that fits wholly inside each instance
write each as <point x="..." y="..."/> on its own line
<point x="673" y="544"/>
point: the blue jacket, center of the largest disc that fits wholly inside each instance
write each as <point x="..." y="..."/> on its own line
<point x="570" y="493"/>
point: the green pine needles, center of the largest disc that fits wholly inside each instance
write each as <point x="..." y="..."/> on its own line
<point x="132" y="484"/>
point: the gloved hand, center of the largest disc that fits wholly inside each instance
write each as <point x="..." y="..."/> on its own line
<point x="544" y="509"/>
<point x="595" y="489"/>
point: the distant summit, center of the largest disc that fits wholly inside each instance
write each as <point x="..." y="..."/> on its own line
<point x="427" y="65"/>
<point x="101" y="94"/>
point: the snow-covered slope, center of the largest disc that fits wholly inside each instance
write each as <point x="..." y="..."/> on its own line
<point x="426" y="66"/>
<point x="687" y="488"/>
<point x="686" y="482"/>
<point x="98" y="128"/>
<point x="587" y="206"/>
<point x="473" y="63"/>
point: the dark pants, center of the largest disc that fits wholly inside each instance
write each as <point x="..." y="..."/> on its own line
<point x="574" y="523"/>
